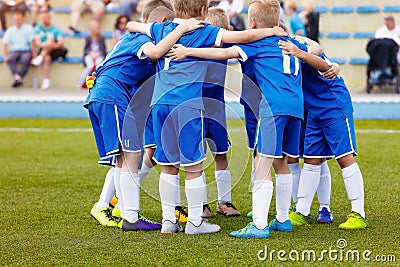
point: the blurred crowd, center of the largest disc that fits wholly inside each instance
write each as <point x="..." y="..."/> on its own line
<point x="41" y="42"/>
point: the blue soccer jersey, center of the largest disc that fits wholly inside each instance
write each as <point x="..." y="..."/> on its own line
<point x="250" y="96"/>
<point x="180" y="82"/>
<point x="122" y="72"/>
<point x="278" y="75"/>
<point x="214" y="85"/>
<point x="327" y="100"/>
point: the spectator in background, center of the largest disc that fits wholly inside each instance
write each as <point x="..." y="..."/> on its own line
<point x="391" y="31"/>
<point x="6" y="5"/>
<point x="38" y="6"/>
<point x="310" y="19"/>
<point x="295" y="24"/>
<point x="282" y="17"/>
<point x="119" y="28"/>
<point x="93" y="52"/>
<point x="233" y="8"/>
<point x="128" y="7"/>
<point x="19" y="46"/>
<point x="97" y="7"/>
<point x="50" y="40"/>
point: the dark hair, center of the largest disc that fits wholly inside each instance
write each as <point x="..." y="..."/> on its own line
<point x="118" y="20"/>
<point x="19" y="12"/>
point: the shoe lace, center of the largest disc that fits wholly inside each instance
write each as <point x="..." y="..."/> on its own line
<point x="108" y="214"/>
<point x="146" y="220"/>
<point x="230" y="205"/>
<point x="181" y="211"/>
<point x="325" y="212"/>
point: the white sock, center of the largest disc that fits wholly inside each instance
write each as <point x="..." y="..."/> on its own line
<point x="283" y="191"/>
<point x="117" y="176"/>
<point x="262" y="195"/>
<point x="167" y="187"/>
<point x="353" y="181"/>
<point x="144" y="171"/>
<point x="108" y="190"/>
<point x="194" y="194"/>
<point x="178" y="190"/>
<point x="224" y="186"/>
<point x="205" y="198"/>
<point x="324" y="187"/>
<point x="130" y="189"/>
<point x="253" y="170"/>
<point x="309" y="180"/>
<point x="296" y="171"/>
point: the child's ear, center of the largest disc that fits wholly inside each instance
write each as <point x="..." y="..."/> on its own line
<point x="230" y="28"/>
<point x="162" y="19"/>
<point x="253" y="23"/>
<point x="203" y="12"/>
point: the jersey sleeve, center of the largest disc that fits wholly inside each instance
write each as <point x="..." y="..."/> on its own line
<point x="301" y="45"/>
<point x="245" y="51"/>
<point x="155" y="31"/>
<point x="212" y="35"/>
<point x="140" y="42"/>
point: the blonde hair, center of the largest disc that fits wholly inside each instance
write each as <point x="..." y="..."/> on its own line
<point x="190" y="8"/>
<point x="218" y="17"/>
<point x="161" y="12"/>
<point x="153" y="4"/>
<point x="265" y="13"/>
<point x="292" y="5"/>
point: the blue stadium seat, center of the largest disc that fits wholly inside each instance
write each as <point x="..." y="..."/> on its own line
<point x="67" y="9"/>
<point x="70" y="60"/>
<point x="321" y="9"/>
<point x="338" y="60"/>
<point x="67" y="60"/>
<point x="362" y="35"/>
<point x="391" y="9"/>
<point x="84" y="34"/>
<point x="358" y="61"/>
<point x="342" y="9"/>
<point x="367" y="9"/>
<point x="245" y="9"/>
<point x="338" y="35"/>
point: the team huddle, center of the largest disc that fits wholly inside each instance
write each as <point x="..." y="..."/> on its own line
<point x="162" y="88"/>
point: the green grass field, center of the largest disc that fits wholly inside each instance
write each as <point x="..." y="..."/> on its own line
<point x="50" y="180"/>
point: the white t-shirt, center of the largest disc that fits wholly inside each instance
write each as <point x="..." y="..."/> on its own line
<point x="384" y="32"/>
<point x="236" y="6"/>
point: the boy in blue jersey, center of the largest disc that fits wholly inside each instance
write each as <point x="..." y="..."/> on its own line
<point x="280" y="114"/>
<point x="215" y="123"/>
<point x="329" y="132"/>
<point x="177" y="112"/>
<point x="119" y="77"/>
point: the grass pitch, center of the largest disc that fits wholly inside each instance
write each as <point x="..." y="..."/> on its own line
<point x="50" y="180"/>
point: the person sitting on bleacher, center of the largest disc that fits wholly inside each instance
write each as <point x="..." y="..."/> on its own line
<point x="50" y="40"/>
<point x="128" y="7"/>
<point x="97" y="8"/>
<point x="93" y="52"/>
<point x="119" y="28"/>
<point x="12" y="5"/>
<point x="38" y="6"/>
<point x="391" y="31"/>
<point x="234" y="8"/>
<point x="295" y="23"/>
<point x="19" y="47"/>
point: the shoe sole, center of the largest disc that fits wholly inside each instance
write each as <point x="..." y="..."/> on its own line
<point x="205" y="233"/>
<point x="228" y="215"/>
